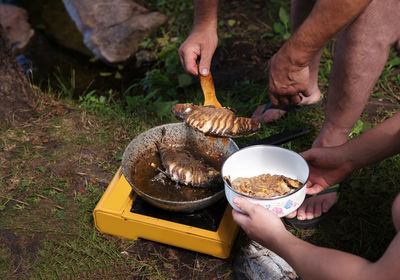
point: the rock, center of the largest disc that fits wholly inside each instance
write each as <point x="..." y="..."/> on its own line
<point x="258" y="263"/>
<point x="14" y="21"/>
<point x="143" y="57"/>
<point x="113" y="29"/>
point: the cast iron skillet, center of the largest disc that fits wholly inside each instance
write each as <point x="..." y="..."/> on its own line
<point x="141" y="153"/>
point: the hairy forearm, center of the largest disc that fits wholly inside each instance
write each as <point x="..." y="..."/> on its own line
<point x="326" y="19"/>
<point x="376" y="144"/>
<point x="205" y="14"/>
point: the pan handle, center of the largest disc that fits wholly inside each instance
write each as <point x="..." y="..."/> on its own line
<point x="278" y="139"/>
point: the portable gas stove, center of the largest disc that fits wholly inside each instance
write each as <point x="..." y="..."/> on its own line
<point x="122" y="213"/>
<point x="211" y="231"/>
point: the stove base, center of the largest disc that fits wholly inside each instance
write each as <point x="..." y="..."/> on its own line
<point x="113" y="215"/>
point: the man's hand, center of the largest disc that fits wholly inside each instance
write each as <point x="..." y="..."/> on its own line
<point x="288" y="70"/>
<point x="288" y="83"/>
<point x="199" y="44"/>
<point x="260" y="224"/>
<point x="328" y="166"/>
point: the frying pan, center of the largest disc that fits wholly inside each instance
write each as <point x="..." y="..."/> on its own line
<point x="140" y="157"/>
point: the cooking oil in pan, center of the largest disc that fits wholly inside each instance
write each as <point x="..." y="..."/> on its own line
<point x="148" y="178"/>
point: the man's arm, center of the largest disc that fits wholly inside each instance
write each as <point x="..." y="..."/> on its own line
<point x="330" y="165"/>
<point x="378" y="143"/>
<point x="310" y="261"/>
<point x="205" y="14"/>
<point x="289" y="67"/>
<point x="202" y="40"/>
<point x="326" y="19"/>
<point x="313" y="262"/>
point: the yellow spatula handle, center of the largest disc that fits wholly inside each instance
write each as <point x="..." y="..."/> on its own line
<point x="207" y="85"/>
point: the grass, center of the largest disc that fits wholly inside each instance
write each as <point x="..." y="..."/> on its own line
<point x="46" y="201"/>
<point x="55" y="169"/>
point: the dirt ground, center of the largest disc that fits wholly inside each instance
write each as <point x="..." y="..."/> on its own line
<point x="50" y="165"/>
<point x="56" y="164"/>
<point x="58" y="151"/>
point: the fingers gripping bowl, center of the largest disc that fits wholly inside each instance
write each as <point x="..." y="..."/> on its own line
<point x="262" y="159"/>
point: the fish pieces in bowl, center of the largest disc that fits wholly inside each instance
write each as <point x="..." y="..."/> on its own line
<point x="270" y="176"/>
<point x="264" y="185"/>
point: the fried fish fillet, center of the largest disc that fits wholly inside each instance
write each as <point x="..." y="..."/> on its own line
<point x="265" y="185"/>
<point x="221" y="122"/>
<point x="182" y="167"/>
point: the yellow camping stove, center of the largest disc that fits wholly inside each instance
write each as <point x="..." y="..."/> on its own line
<point x="122" y="213"/>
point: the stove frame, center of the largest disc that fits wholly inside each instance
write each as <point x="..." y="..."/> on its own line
<point x="112" y="215"/>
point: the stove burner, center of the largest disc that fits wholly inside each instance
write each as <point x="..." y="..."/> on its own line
<point x="208" y="218"/>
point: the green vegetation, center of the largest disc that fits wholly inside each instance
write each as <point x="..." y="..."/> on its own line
<point x="56" y="170"/>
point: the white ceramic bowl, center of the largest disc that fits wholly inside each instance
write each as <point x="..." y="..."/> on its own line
<point x="263" y="159"/>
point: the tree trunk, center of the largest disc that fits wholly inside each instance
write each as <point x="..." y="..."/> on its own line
<point x="16" y="93"/>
